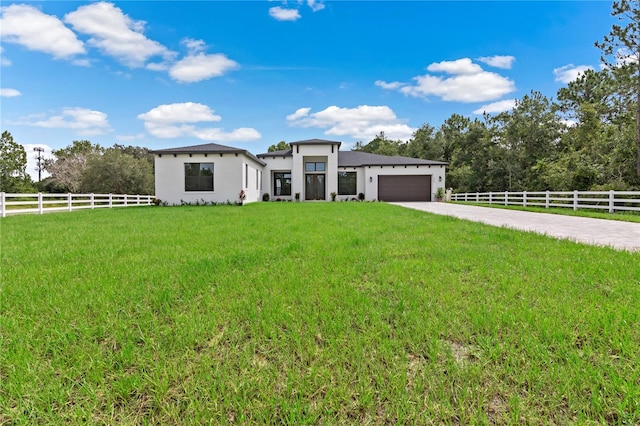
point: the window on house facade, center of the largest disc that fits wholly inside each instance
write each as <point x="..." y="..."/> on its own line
<point x="198" y="176"/>
<point x="314" y="167"/>
<point x="281" y="183"/>
<point x="347" y="183"/>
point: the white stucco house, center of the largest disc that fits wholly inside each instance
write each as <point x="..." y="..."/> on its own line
<point x="312" y="168"/>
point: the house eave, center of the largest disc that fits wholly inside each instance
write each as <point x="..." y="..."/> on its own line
<point x="315" y="142"/>
<point x="179" y="151"/>
<point x="435" y="163"/>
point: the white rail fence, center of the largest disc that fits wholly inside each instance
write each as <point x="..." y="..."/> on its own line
<point x="44" y="203"/>
<point x="612" y="201"/>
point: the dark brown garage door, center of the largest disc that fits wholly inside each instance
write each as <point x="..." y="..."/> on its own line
<point x="404" y="188"/>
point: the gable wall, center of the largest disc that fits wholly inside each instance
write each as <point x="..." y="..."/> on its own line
<point x="302" y="153"/>
<point x="228" y="178"/>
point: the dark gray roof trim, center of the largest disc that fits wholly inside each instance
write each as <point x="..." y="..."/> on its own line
<point x="208" y="148"/>
<point x="282" y="153"/>
<point x="315" y="142"/>
<point x="359" y="159"/>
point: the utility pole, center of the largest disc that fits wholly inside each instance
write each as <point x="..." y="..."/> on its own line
<point x="39" y="157"/>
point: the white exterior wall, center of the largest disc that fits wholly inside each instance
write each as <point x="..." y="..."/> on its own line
<point x="255" y="182"/>
<point x="228" y="178"/>
<point x="302" y="153"/>
<point x="371" y="174"/>
<point x="277" y="164"/>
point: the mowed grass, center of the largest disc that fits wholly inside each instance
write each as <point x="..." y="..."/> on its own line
<point x="311" y="313"/>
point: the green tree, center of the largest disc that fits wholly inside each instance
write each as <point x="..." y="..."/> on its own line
<point x="598" y="150"/>
<point x="527" y="134"/>
<point x="70" y="163"/>
<point x="425" y="144"/>
<point x="622" y="46"/>
<point x="280" y="146"/>
<point x="380" y="145"/>
<point x="596" y="88"/>
<point x="13" y="166"/>
<point x="473" y="153"/>
<point x="117" y="172"/>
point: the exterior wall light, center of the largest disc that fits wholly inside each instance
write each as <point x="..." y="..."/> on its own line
<point x="370" y="178"/>
<point x="439" y="178"/>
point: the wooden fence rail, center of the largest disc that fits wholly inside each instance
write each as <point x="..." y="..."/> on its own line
<point x="612" y="201"/>
<point x="43" y="203"/>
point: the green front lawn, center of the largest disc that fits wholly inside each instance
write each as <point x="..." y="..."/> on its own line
<point x="311" y="313"/>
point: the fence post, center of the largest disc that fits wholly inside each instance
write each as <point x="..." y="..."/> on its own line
<point x="612" y="204"/>
<point x="70" y="201"/>
<point x="524" y="198"/>
<point x="465" y="196"/>
<point x="3" y="201"/>
<point x="110" y="200"/>
<point x="138" y="199"/>
<point x="40" y="206"/>
<point x="546" y="200"/>
<point x="125" y="199"/>
<point x="575" y="200"/>
<point x="506" y="198"/>
<point x="91" y="197"/>
<point x="490" y="197"/>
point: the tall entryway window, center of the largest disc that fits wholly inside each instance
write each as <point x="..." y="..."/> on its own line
<point x="314" y="187"/>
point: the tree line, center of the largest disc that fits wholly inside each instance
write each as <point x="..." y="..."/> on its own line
<point x="587" y="139"/>
<point x="82" y="167"/>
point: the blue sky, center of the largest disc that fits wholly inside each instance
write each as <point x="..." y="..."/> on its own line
<point x="251" y="73"/>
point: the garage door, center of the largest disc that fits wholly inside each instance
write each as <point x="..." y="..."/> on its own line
<point x="404" y="188"/>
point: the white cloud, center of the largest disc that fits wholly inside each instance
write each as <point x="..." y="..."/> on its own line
<point x="389" y="86"/>
<point x="504" y="62"/>
<point x="187" y="112"/>
<point x="179" y="119"/>
<point x="237" y="135"/>
<point x="362" y="122"/>
<point x="314" y="5"/>
<point x="9" y="93"/>
<point x="462" y="66"/>
<point x="116" y="34"/>
<point x="467" y="82"/>
<point x="85" y="121"/>
<point x="568" y="73"/>
<point x="194" y="46"/>
<point x="200" y="66"/>
<point x="496" y="107"/>
<point x="29" y="27"/>
<point x="157" y="66"/>
<point x="282" y="14"/>
<point x="300" y="112"/>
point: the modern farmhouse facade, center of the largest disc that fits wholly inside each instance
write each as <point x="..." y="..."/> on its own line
<point x="312" y="169"/>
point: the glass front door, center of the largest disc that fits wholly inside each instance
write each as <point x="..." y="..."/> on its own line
<point x="314" y="187"/>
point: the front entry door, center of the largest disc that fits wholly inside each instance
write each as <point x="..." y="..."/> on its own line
<point x="314" y="188"/>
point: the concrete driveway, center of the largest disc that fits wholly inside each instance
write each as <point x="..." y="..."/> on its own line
<point x="602" y="232"/>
